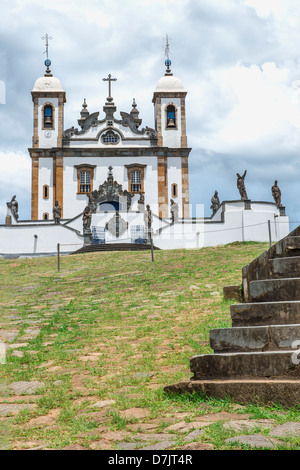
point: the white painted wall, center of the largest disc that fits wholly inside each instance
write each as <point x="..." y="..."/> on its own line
<point x="45" y="177"/>
<point x="175" y="176"/>
<point x="75" y="203"/>
<point x="239" y="225"/>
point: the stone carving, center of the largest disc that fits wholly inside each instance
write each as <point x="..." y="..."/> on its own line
<point x="56" y="213"/>
<point x="14" y="207"/>
<point x="141" y="202"/>
<point x="112" y="191"/>
<point x="116" y="225"/>
<point x="87" y="219"/>
<point x="174" y="211"/>
<point x="215" y="203"/>
<point x="148" y="218"/>
<point x="92" y="203"/>
<point x="128" y="121"/>
<point x="91" y="120"/>
<point x="276" y="193"/>
<point x="241" y="185"/>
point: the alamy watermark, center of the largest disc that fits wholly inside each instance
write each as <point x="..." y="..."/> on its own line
<point x="2" y="92"/>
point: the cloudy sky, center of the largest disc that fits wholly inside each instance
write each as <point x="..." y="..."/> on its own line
<point x="239" y="61"/>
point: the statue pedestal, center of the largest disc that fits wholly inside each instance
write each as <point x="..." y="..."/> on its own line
<point x="281" y="210"/>
<point x="87" y="236"/>
<point x="247" y="204"/>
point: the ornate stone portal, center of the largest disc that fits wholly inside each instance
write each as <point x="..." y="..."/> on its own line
<point x="111" y="192"/>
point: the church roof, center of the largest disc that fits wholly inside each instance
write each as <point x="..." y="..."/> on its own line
<point x="47" y="83"/>
<point x="169" y="83"/>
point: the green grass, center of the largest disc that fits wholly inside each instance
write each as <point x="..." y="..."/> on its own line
<point x="105" y="318"/>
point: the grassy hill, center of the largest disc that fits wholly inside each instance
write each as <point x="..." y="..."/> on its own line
<point x="103" y="337"/>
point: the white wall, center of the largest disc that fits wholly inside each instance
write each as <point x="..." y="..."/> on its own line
<point x="239" y="225"/>
<point x="21" y="239"/>
<point x="75" y="203"/>
<point x="45" y="177"/>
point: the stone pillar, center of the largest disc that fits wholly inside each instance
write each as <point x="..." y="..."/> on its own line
<point x="35" y="188"/>
<point x="162" y="177"/>
<point x="58" y="182"/>
<point x="183" y="137"/>
<point x="185" y="187"/>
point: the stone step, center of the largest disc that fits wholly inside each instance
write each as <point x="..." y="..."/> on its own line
<point x="255" y="338"/>
<point x="289" y="246"/>
<point x="248" y="365"/>
<point x="262" y="392"/>
<point x="285" y="267"/>
<point x="115" y="247"/>
<point x="265" y="313"/>
<point x="270" y="290"/>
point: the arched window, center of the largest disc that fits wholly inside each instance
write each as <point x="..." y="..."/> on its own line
<point x="110" y="138"/>
<point x="45" y="216"/>
<point x="171" y="116"/>
<point x="48" y="117"/>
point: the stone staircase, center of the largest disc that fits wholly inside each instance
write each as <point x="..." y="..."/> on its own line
<point x="115" y="247"/>
<point x="256" y="360"/>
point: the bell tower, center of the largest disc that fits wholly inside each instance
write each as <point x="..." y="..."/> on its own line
<point x="48" y="99"/>
<point x="169" y="109"/>
<point x="170" y="125"/>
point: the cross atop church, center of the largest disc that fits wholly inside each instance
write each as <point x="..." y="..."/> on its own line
<point x="46" y="38"/>
<point x="109" y="80"/>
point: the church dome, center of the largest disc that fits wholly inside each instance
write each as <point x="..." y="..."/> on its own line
<point x="169" y="83"/>
<point x="47" y="83"/>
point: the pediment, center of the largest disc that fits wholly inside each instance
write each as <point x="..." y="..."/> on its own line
<point x="109" y="131"/>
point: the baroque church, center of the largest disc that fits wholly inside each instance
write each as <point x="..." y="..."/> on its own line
<point x="108" y="180"/>
<point x="70" y="165"/>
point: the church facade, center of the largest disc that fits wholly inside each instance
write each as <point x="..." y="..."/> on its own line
<point x="110" y="180"/>
<point x="70" y="165"/>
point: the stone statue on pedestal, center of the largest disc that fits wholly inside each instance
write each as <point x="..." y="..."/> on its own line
<point x="148" y="218"/>
<point x="276" y="193"/>
<point x="241" y="185"/>
<point x="56" y="213"/>
<point x="14" y="207"/>
<point x="141" y="202"/>
<point x="215" y="203"/>
<point x="174" y="211"/>
<point x="87" y="219"/>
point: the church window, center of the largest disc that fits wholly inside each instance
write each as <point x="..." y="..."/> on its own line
<point x="85" y="181"/>
<point x="174" y="190"/>
<point x="135" y="174"/>
<point x="46" y="191"/>
<point x="48" y="117"/>
<point x="171" y="121"/>
<point x="45" y="216"/>
<point x="110" y="138"/>
<point x="135" y="181"/>
<point x="85" y="176"/>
